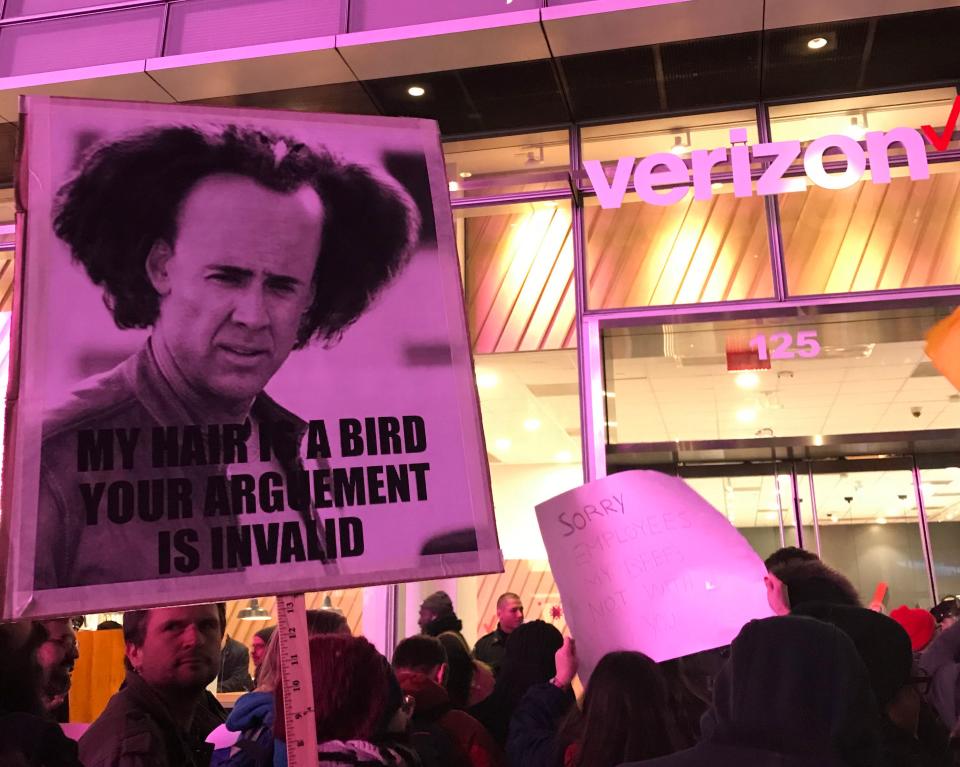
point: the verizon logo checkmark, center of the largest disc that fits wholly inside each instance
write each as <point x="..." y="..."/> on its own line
<point x="941" y="141"/>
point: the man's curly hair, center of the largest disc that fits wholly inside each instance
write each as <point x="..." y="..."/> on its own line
<point x="128" y="193"/>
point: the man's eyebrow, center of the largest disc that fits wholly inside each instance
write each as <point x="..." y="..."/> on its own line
<point x="237" y="271"/>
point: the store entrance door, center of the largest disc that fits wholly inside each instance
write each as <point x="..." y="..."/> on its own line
<point x="878" y="519"/>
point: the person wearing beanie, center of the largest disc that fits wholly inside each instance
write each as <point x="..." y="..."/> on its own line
<point x="919" y="624"/>
<point x="910" y="734"/>
<point x="357" y="705"/>
<point x="437" y="615"/>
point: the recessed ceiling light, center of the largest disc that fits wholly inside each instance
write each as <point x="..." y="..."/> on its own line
<point x="679" y="147"/>
<point x="502" y="443"/>
<point x="747" y="415"/>
<point x="487" y="379"/>
<point x="416" y="91"/>
<point x="747" y="380"/>
<point x="816" y="43"/>
<point x="465" y="174"/>
<point x="531" y="424"/>
<point x="453" y="186"/>
<point x="564" y="456"/>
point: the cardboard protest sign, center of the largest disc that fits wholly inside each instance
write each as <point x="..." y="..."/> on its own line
<point x="643" y="563"/>
<point x="240" y="360"/>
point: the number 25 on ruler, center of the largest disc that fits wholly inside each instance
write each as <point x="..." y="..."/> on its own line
<point x="783" y="346"/>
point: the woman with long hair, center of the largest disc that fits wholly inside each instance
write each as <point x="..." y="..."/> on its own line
<point x="625" y="715"/>
<point x="529" y="660"/>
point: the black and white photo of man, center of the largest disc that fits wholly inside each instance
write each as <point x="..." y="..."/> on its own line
<point x="234" y="247"/>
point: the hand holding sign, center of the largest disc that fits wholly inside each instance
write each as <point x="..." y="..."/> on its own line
<point x="644" y="563"/>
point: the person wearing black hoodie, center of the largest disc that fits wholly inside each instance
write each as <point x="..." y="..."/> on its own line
<point x="911" y="734"/>
<point x="528" y="661"/>
<point x="793" y="694"/>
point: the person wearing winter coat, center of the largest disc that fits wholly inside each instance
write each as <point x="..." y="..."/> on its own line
<point x="28" y="738"/>
<point x="421" y="666"/>
<point x="358" y="706"/>
<point x="794" y="693"/>
<point x="529" y="660"/>
<point x="625" y="714"/>
<point x="941" y="660"/>
<point x="910" y="734"/>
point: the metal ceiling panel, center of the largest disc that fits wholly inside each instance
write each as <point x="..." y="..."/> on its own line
<point x="790" y="13"/>
<point x="445" y="45"/>
<point x="604" y="25"/>
<point x="125" y="81"/>
<point x="251" y="69"/>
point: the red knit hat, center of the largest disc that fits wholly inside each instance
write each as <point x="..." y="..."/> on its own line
<point x="918" y="623"/>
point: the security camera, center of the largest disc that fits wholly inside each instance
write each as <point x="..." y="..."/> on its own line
<point x="848" y="498"/>
<point x="915" y="411"/>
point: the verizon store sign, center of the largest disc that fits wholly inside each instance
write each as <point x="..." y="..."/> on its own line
<point x="665" y="179"/>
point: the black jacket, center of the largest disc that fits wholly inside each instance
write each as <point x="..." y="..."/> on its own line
<point x="30" y="741"/>
<point x="491" y="648"/>
<point x="793" y="694"/>
<point x="532" y="739"/>
<point x="234" y="668"/>
<point x="136" y="729"/>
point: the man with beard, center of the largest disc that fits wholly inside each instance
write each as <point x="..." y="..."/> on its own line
<point x="57" y="656"/>
<point x="161" y="717"/>
<point x="27" y="737"/>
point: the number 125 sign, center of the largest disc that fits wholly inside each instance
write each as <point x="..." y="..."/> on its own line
<point x="786" y="346"/>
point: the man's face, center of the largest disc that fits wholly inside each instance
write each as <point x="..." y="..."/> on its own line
<point x="236" y="282"/>
<point x="56" y="657"/>
<point x="427" y="616"/>
<point x="776" y="594"/>
<point x="510" y="614"/>
<point x="181" y="648"/>
<point x="258" y="648"/>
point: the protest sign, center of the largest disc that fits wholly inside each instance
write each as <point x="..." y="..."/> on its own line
<point x="241" y="363"/>
<point x="643" y="563"/>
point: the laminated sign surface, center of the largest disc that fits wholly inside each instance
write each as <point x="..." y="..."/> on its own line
<point x="241" y="364"/>
<point x="644" y="563"/>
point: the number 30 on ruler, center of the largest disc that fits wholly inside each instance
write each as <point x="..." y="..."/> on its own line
<point x="786" y="346"/>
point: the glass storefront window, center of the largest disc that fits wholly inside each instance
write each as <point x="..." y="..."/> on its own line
<point x="905" y="234"/>
<point x="754" y="503"/>
<point x="531" y="162"/>
<point x="690" y="252"/>
<point x="348" y="602"/>
<point x="834" y="374"/>
<point x="679" y="135"/>
<point x="518" y="276"/>
<point x="941" y="501"/>
<point x="855" y="117"/>
<point x="869" y="529"/>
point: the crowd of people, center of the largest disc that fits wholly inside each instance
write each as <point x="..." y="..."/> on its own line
<point x="826" y="682"/>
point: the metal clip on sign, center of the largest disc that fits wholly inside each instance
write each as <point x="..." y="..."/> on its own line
<point x="298" y="707"/>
